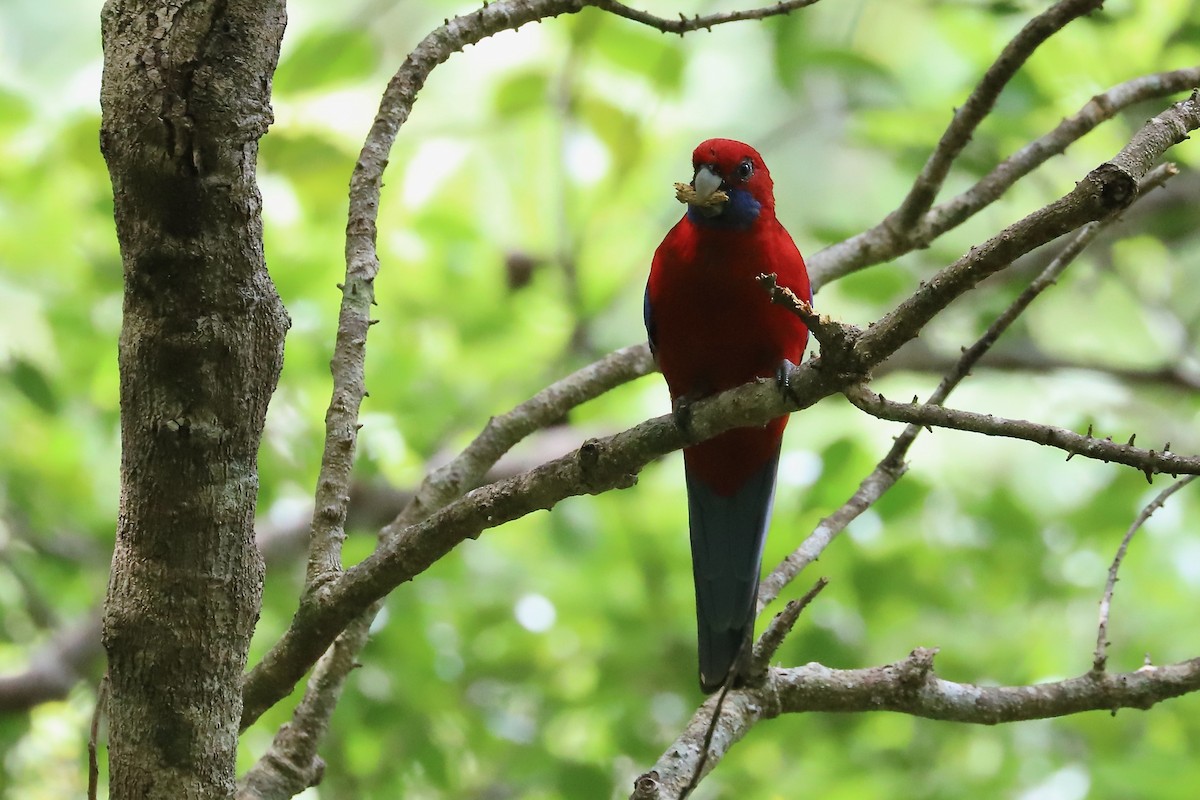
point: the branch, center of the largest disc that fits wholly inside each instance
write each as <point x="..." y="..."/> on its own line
<point x="292" y="758"/>
<point x="499" y="435"/>
<point x="362" y="260"/>
<point x="1107" y="189"/>
<point x="892" y="467"/>
<point x="908" y="686"/>
<point x="374" y="502"/>
<point x="598" y="466"/>
<point x="291" y="764"/>
<point x="613" y="462"/>
<point x="449" y="482"/>
<point x="915" y="357"/>
<point x="55" y="668"/>
<point x="297" y="746"/>
<point x="1101" y="657"/>
<point x="772" y="638"/>
<point x="979" y="104"/>
<point x="362" y="264"/>
<point x="1077" y="244"/>
<point x="1150" y="462"/>
<point x="873" y="487"/>
<point x="882" y="243"/>
<point x="684" y="25"/>
<point x="1100" y="108"/>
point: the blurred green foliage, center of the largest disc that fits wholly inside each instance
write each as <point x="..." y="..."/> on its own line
<point x="553" y="658"/>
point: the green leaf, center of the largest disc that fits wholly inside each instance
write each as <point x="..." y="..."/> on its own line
<point x="879" y="285"/>
<point x="31" y="382"/>
<point x="652" y="55"/>
<point x="327" y="58"/>
<point x="521" y="92"/>
<point x="620" y="131"/>
<point x="15" y="112"/>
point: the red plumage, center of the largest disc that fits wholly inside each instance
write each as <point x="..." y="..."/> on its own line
<point x="713" y="327"/>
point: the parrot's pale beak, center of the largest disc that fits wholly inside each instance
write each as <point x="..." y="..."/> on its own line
<point x="707" y="183"/>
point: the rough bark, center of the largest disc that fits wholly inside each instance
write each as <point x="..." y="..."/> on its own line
<point x="185" y="99"/>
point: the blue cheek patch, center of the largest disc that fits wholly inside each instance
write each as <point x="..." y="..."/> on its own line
<point x="739" y="214"/>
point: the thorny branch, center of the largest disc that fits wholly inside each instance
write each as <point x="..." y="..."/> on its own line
<point x="1100" y="660"/>
<point x="1150" y="462"/>
<point x="685" y="25"/>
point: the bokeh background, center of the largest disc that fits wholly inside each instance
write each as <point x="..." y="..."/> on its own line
<point x="553" y="657"/>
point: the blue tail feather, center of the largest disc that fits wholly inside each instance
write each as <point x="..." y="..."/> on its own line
<point x="727" y="534"/>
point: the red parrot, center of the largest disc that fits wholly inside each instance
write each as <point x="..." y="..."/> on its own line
<point x="713" y="327"/>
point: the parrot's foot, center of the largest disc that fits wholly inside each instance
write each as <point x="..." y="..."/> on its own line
<point x="681" y="411"/>
<point x="783" y="379"/>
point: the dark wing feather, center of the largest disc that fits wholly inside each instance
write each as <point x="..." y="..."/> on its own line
<point x="648" y="318"/>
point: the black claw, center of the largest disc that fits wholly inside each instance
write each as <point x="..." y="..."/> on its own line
<point x="783" y="379"/>
<point x="681" y="410"/>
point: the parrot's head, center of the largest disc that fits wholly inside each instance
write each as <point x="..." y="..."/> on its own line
<point x="734" y="170"/>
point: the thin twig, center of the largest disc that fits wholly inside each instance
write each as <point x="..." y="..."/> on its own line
<point x="781" y="625"/>
<point x="465" y="471"/>
<point x="362" y="261"/>
<point x="1100" y="659"/>
<point x="880" y="243"/>
<point x="98" y="714"/>
<point x="684" y="25"/>
<point x="977" y="106"/>
<point x="1025" y="357"/>
<point x="836" y="338"/>
<point x="874" y="486"/>
<point x="698" y="772"/>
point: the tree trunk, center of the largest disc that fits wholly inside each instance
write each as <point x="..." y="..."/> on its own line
<point x="185" y="100"/>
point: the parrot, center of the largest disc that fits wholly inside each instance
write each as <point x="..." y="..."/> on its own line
<point x="712" y="327"/>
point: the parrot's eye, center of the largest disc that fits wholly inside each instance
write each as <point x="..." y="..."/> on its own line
<point x="745" y="169"/>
